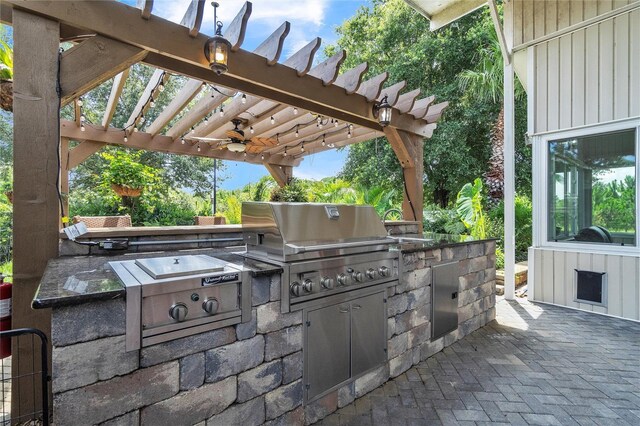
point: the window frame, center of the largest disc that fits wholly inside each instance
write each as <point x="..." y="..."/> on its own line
<point x="541" y="193"/>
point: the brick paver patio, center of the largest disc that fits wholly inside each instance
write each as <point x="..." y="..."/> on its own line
<point x="536" y="364"/>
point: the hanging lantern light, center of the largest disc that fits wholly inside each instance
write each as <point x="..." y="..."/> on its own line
<point x="382" y="111"/>
<point x="217" y="48"/>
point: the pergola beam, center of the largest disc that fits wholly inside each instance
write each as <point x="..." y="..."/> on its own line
<point x="160" y="143"/>
<point x="192" y="18"/>
<point x="189" y="91"/>
<point x="80" y="153"/>
<point x="238" y="27"/>
<point x="281" y="174"/>
<point x="92" y="62"/>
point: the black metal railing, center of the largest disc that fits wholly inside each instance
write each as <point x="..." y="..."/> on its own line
<point x="29" y="388"/>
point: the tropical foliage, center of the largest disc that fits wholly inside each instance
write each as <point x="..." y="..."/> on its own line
<point x="470" y="210"/>
<point x="614" y="204"/>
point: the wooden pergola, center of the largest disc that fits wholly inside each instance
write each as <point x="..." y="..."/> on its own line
<point x="318" y="107"/>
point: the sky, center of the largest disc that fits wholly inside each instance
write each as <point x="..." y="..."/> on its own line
<point x="309" y="19"/>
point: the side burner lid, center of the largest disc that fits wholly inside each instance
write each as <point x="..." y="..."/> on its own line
<point x="177" y="266"/>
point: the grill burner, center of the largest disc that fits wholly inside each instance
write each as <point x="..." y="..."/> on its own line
<point x="173" y="297"/>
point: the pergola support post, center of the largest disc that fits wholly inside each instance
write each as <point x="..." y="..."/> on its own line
<point x="36" y="209"/>
<point x="281" y="174"/>
<point x="409" y="150"/>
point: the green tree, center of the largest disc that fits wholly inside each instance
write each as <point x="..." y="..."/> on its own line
<point x="392" y="37"/>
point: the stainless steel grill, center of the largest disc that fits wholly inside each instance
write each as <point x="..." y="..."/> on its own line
<point x="177" y="296"/>
<point x="325" y="250"/>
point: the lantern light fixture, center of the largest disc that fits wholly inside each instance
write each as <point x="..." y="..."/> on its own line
<point x="382" y="111"/>
<point x="217" y="48"/>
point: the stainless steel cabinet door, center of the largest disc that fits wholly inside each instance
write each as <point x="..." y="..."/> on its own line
<point x="327" y="351"/>
<point x="445" y="299"/>
<point x="368" y="333"/>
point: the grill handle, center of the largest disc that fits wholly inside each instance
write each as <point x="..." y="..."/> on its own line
<point x="302" y="249"/>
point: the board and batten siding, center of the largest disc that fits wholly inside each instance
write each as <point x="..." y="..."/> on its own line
<point x="533" y="19"/>
<point x="554" y="276"/>
<point x="588" y="76"/>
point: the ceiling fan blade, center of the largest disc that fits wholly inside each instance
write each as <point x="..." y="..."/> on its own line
<point x="264" y="142"/>
<point x="235" y="134"/>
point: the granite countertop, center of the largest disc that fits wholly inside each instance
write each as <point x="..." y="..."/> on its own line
<point x="79" y="279"/>
<point x="417" y="242"/>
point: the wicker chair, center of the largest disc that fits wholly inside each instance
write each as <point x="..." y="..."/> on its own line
<point x="210" y="220"/>
<point x="104" y="221"/>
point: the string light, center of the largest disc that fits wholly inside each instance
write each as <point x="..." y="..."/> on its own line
<point x="126" y="139"/>
<point x="142" y="119"/>
<point x="350" y="126"/>
<point x="135" y="129"/>
<point x="295" y="111"/>
<point x="335" y="123"/>
<point x="251" y="130"/>
<point x="285" y="151"/>
<point x="273" y="120"/>
<point x="302" y="148"/>
<point x="82" y="118"/>
<point x="278" y="139"/>
<point x="323" y="142"/>
<point x="161" y="87"/>
<point x="79" y="101"/>
<point x="221" y="112"/>
<point x="193" y="129"/>
<point x="349" y="134"/>
<point x="245" y="153"/>
<point x="199" y="148"/>
<point x="297" y="133"/>
<point x="206" y="119"/>
<point x="82" y="129"/>
<point x="262" y="157"/>
<point x="182" y="141"/>
<point x="244" y="99"/>
<point x="152" y="103"/>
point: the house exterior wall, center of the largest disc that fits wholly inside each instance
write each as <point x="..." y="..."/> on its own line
<point x="554" y="276"/>
<point x="533" y="19"/>
<point x="587" y="76"/>
<point x="580" y="72"/>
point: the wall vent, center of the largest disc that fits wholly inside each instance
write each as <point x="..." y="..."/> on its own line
<point x="591" y="287"/>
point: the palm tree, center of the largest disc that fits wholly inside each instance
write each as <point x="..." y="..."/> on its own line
<point x="486" y="83"/>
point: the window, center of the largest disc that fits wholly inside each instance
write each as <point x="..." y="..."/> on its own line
<point x="592" y="189"/>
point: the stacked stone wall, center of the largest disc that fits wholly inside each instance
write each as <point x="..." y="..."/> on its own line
<point x="248" y="373"/>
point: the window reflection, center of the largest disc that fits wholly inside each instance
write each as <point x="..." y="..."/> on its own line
<point x="592" y="189"/>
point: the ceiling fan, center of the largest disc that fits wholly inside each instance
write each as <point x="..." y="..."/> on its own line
<point x="236" y="141"/>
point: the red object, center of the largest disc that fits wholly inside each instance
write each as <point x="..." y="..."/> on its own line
<point x="5" y="317"/>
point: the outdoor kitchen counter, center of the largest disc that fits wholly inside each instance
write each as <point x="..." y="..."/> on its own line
<point x="73" y="280"/>
<point x="430" y="241"/>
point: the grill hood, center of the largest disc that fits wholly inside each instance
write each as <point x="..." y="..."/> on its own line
<point x="296" y="231"/>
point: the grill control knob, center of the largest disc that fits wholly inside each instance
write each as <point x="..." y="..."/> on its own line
<point x="296" y="288"/>
<point x="372" y="273"/>
<point x="359" y="276"/>
<point x="384" y="271"/>
<point x="344" y="279"/>
<point x="327" y="282"/>
<point x="178" y="311"/>
<point x="308" y="286"/>
<point x="210" y="305"/>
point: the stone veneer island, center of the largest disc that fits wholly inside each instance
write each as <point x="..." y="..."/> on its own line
<point x="249" y="373"/>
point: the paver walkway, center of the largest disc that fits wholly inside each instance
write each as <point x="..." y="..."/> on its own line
<point x="536" y="364"/>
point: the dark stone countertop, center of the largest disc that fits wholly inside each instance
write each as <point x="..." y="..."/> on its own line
<point x="73" y="280"/>
<point x="415" y="242"/>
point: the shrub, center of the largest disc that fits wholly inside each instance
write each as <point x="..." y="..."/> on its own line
<point x="293" y="192"/>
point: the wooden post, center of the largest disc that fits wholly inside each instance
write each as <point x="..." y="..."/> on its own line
<point x="36" y="205"/>
<point x="413" y="190"/>
<point x="281" y="174"/>
<point x="409" y="150"/>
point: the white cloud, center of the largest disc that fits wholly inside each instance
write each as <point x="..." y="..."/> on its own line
<point x="274" y="11"/>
